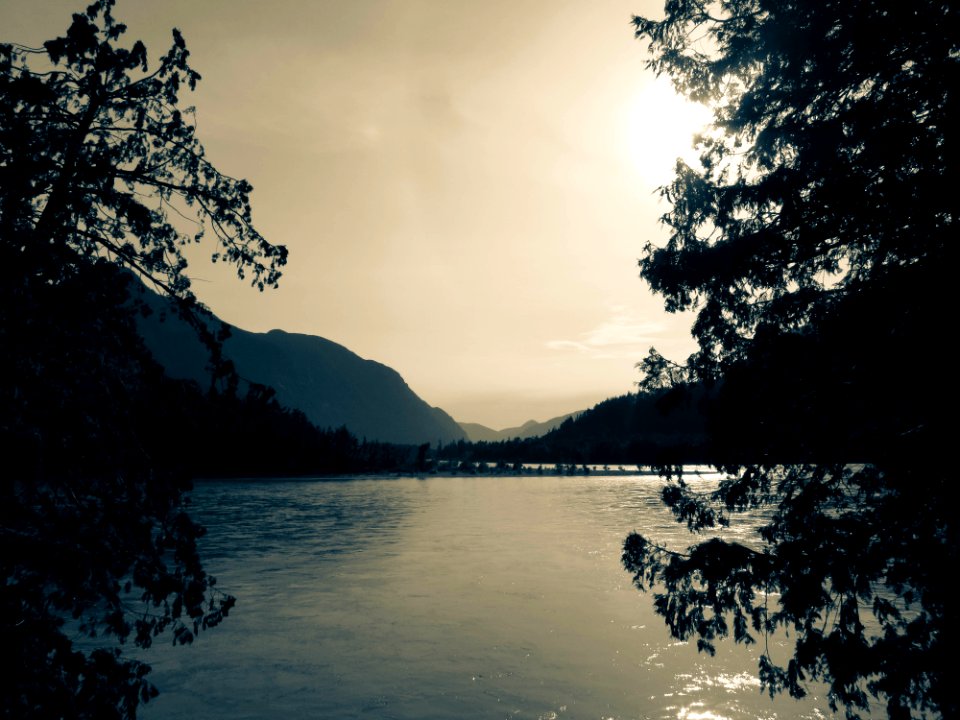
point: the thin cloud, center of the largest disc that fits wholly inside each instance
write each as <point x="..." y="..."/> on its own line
<point x="621" y="336"/>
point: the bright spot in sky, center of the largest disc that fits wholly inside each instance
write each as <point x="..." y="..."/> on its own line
<point x="661" y="127"/>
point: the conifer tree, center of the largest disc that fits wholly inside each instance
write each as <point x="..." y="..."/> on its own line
<point x="812" y="244"/>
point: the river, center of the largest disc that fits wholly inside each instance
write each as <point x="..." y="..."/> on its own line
<point x="461" y="597"/>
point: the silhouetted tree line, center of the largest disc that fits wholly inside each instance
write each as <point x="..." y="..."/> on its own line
<point x="269" y="440"/>
<point x="634" y="429"/>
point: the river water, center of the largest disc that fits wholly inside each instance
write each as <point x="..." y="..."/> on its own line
<point x="462" y="597"/>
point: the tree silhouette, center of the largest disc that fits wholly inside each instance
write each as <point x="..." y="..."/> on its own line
<point x="812" y="242"/>
<point x="101" y="178"/>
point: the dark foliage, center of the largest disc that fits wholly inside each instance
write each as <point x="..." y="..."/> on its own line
<point x="95" y="544"/>
<point x="270" y="440"/>
<point x="813" y="245"/>
<point x="634" y="429"/>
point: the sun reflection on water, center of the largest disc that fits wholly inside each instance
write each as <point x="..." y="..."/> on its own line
<point x="693" y="712"/>
<point x="693" y="684"/>
<point x="724" y="681"/>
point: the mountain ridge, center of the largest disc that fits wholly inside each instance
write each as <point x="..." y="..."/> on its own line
<point x="477" y="432"/>
<point x="329" y="383"/>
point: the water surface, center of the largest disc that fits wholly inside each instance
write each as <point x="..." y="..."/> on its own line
<point x="479" y="597"/>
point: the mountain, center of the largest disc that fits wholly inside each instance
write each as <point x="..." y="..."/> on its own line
<point x="633" y="426"/>
<point x="636" y="428"/>
<point x="476" y="432"/>
<point x="330" y="384"/>
<point x="530" y="429"/>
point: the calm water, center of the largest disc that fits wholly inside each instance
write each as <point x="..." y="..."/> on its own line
<point x="443" y="598"/>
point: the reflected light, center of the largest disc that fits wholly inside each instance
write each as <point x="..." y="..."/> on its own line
<point x="661" y="127"/>
<point x="689" y="713"/>
<point x="740" y="681"/>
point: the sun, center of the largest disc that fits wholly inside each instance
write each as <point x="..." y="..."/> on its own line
<point x="660" y="128"/>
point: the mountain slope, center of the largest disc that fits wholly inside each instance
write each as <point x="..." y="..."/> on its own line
<point x="479" y="433"/>
<point x="330" y="384"/>
<point x="530" y="429"/>
<point x="636" y="428"/>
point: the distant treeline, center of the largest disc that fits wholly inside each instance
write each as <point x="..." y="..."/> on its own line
<point x="632" y="429"/>
<point x="249" y="434"/>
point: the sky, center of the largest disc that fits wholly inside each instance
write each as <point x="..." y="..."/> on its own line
<point x="464" y="188"/>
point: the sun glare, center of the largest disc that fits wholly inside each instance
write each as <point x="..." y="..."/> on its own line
<point x="661" y="125"/>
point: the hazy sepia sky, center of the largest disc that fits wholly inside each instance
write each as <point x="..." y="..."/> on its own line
<point x="464" y="187"/>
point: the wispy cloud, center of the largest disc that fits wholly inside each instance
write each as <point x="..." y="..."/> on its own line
<point x="623" y="335"/>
